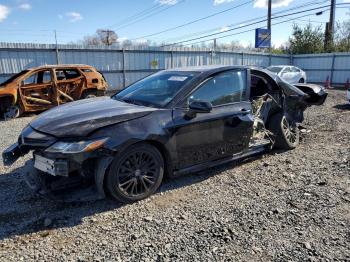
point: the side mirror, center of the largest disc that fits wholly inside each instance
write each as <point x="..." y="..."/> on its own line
<point x="199" y="106"/>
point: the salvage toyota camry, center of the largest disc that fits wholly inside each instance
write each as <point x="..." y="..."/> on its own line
<point x="170" y="123"/>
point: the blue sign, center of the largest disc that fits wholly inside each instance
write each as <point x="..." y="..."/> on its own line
<point x="262" y="38"/>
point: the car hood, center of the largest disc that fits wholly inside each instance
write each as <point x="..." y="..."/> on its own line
<point x="77" y="119"/>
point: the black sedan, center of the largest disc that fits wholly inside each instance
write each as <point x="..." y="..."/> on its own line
<point x="170" y="123"/>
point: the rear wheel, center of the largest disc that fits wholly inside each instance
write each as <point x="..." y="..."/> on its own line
<point x="286" y="134"/>
<point x="136" y="173"/>
<point x="301" y="80"/>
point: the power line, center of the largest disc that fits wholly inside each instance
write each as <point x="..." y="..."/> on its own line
<point x="264" y="20"/>
<point x="195" y="21"/>
<point x="139" y="14"/>
<point x="311" y="3"/>
<point x="249" y="30"/>
<point x="149" y="15"/>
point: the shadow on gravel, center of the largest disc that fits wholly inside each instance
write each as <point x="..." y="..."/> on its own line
<point x="343" y="106"/>
<point x="22" y="212"/>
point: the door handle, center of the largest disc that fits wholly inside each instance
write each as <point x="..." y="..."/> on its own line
<point x="245" y="111"/>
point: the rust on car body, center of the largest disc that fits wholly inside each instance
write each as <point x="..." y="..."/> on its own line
<point x="41" y="88"/>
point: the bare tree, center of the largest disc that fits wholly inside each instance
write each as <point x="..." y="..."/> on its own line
<point x="101" y="37"/>
<point x="106" y="36"/>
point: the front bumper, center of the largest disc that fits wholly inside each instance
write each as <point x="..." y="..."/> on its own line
<point x="11" y="154"/>
<point x="66" y="189"/>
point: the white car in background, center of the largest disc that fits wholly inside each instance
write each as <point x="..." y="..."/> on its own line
<point x="291" y="74"/>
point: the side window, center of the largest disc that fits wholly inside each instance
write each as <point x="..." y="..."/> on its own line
<point x="72" y="73"/>
<point x="46" y="76"/>
<point x="287" y="70"/>
<point x="295" y="70"/>
<point x="227" y="87"/>
<point x="30" y="80"/>
<point x="60" y="75"/>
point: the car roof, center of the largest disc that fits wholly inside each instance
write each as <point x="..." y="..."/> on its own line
<point x="209" y="69"/>
<point x="206" y="68"/>
<point x="62" y="66"/>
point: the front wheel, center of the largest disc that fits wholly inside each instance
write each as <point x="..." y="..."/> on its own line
<point x="285" y="133"/>
<point x="136" y="173"/>
<point x="12" y="112"/>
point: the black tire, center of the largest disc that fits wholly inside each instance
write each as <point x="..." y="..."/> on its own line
<point x="13" y="111"/>
<point x="301" y="80"/>
<point x="135" y="173"/>
<point x="286" y="136"/>
<point x="89" y="94"/>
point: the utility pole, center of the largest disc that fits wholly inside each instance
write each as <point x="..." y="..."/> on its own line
<point x="269" y="7"/>
<point x="330" y="28"/>
<point x="269" y="13"/>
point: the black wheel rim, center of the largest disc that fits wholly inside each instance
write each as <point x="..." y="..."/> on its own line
<point x="137" y="174"/>
<point x="289" y="131"/>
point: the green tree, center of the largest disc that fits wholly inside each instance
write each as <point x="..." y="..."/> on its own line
<point x="342" y="36"/>
<point x="307" y="40"/>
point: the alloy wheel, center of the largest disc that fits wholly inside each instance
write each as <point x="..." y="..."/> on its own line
<point x="137" y="174"/>
<point x="289" y="131"/>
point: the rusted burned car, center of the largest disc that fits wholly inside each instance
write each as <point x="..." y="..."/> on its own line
<point x="41" y="88"/>
<point x="173" y="122"/>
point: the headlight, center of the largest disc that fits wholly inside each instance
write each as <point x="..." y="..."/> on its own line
<point x="77" y="147"/>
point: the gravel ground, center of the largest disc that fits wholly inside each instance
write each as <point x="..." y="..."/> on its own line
<point x="292" y="205"/>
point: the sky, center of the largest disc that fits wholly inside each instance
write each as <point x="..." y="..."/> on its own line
<point x="34" y="21"/>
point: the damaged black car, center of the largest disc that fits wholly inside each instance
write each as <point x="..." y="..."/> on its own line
<point x="173" y="122"/>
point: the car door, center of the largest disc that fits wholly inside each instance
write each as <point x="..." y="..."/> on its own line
<point x="296" y="75"/>
<point x="36" y="90"/>
<point x="225" y="130"/>
<point x="69" y="82"/>
<point x="287" y="74"/>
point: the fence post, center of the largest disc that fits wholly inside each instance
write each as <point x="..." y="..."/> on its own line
<point x="124" y="71"/>
<point x="332" y="70"/>
<point x="242" y="58"/>
<point x="171" y="59"/>
<point x="56" y="49"/>
<point x="211" y="57"/>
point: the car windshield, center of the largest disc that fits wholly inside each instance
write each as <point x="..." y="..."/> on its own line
<point x="275" y="69"/>
<point x="14" y="77"/>
<point x="156" y="90"/>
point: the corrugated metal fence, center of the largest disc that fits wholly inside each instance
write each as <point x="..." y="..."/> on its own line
<point x="122" y="67"/>
<point x="319" y="67"/>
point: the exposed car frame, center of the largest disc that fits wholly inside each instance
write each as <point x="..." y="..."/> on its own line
<point x="97" y="141"/>
<point x="41" y="88"/>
